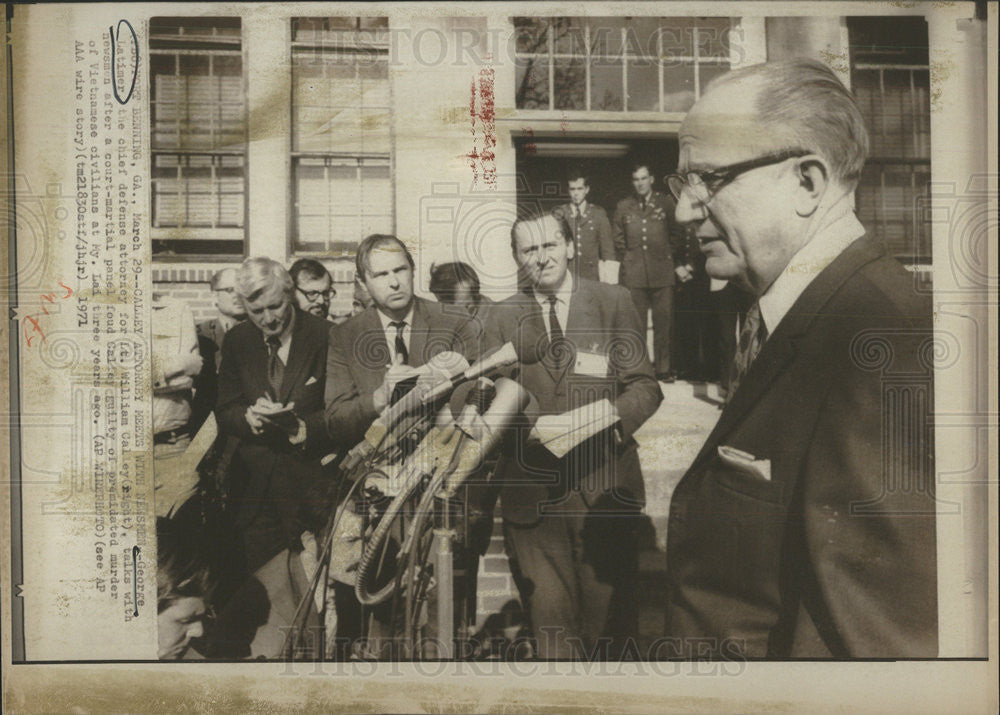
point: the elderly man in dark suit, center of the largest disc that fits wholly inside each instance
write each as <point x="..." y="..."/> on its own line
<point x="805" y="527"/>
<point x="386" y="343"/>
<point x="271" y="398"/>
<point x="570" y="517"/>
<point x="651" y="246"/>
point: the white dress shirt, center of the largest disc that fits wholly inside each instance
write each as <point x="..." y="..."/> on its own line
<point x="805" y="265"/>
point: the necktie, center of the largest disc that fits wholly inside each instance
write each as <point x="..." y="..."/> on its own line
<point x="752" y="337"/>
<point x="555" y="330"/>
<point x="275" y="367"/>
<point x="400" y="344"/>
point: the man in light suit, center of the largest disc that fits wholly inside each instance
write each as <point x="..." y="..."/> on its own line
<point x="386" y="343"/>
<point x="570" y="521"/>
<point x="274" y="359"/>
<point x="805" y="527"/>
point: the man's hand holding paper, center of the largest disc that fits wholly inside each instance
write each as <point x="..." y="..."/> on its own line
<point x="561" y="433"/>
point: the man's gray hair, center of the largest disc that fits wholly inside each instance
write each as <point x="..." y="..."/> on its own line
<point x="256" y="275"/>
<point x="803" y="105"/>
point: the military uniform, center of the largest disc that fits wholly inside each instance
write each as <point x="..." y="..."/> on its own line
<point x="648" y="239"/>
<point x="591" y="232"/>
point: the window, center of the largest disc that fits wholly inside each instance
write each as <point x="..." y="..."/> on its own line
<point x="198" y="137"/>
<point x="639" y="64"/>
<point x="891" y="80"/>
<point x="341" y="141"/>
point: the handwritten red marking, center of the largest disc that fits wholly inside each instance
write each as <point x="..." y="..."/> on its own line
<point x="32" y="320"/>
<point x="482" y="158"/>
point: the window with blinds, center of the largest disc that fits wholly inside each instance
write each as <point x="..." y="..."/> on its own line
<point x="632" y="64"/>
<point x="341" y="142"/>
<point x="198" y="136"/>
<point x="891" y="80"/>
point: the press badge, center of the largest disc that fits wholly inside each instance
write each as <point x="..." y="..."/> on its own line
<point x="591" y="363"/>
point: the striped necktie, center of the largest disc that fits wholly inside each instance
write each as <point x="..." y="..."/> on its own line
<point x="752" y="337"/>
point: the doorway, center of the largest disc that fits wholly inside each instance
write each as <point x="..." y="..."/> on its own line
<point x="543" y="164"/>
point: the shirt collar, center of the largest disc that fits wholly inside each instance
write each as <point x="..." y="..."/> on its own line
<point x="386" y="320"/>
<point x="286" y="336"/>
<point x="805" y="265"/>
<point x="563" y="295"/>
<point x="582" y="208"/>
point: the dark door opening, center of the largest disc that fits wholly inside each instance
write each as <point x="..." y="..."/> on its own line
<point x="543" y="165"/>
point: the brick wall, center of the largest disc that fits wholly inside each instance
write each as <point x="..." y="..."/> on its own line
<point x="495" y="585"/>
<point x="191" y="286"/>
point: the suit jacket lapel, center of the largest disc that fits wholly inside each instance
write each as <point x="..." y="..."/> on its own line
<point x="218" y="333"/>
<point x="256" y="359"/>
<point x="418" y="334"/>
<point x="583" y="316"/>
<point x="780" y="347"/>
<point x="297" y="358"/>
<point x="369" y="348"/>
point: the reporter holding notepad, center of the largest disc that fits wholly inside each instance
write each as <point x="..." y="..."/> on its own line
<point x="271" y="383"/>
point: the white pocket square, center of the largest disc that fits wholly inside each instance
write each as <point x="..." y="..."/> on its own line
<point x="311" y="381"/>
<point x="745" y="462"/>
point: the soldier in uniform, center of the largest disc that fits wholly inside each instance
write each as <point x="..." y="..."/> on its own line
<point x="588" y="224"/>
<point x="651" y="246"/>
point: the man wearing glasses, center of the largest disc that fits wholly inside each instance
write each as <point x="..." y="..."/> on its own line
<point x="805" y="526"/>
<point x="313" y="287"/>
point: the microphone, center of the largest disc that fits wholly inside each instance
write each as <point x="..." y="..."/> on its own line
<point x="524" y="349"/>
<point x="486" y="428"/>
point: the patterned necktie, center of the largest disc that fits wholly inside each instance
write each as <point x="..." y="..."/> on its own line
<point x="400" y="344"/>
<point x="275" y="367"/>
<point x="752" y="337"/>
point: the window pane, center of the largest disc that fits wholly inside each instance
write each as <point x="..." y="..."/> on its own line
<point x="643" y="87"/>
<point x="606" y="36"/>
<point x="570" y="84"/>
<point x="198" y="134"/>
<point x="677" y="36"/>
<point x="641" y="37"/>
<point x="712" y="37"/>
<point x="340" y="102"/>
<point x="606" y="91"/>
<point x="678" y="86"/>
<point x="568" y="36"/>
<point x="340" y="202"/>
<point x="197" y="191"/>
<point x="531" y="34"/>
<point x="532" y="82"/>
<point x="922" y="118"/>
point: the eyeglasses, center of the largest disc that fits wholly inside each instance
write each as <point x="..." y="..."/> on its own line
<point x="314" y="295"/>
<point x="703" y="185"/>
